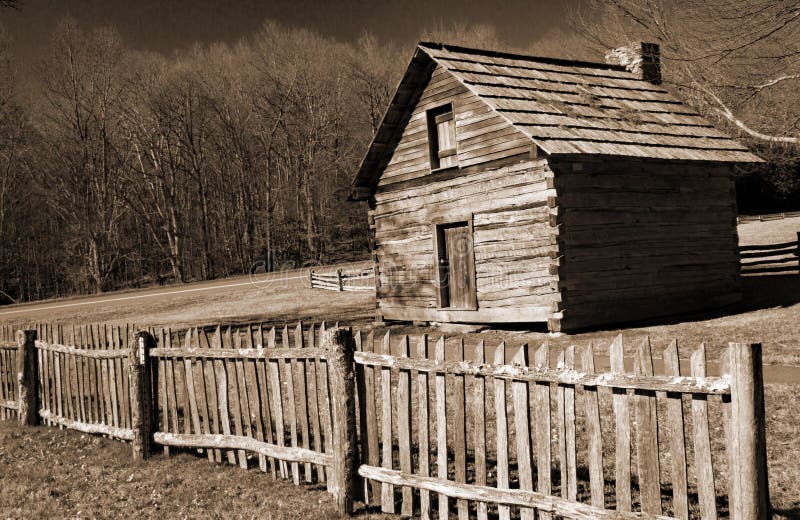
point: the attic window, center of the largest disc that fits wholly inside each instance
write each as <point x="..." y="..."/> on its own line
<point x="442" y="137"/>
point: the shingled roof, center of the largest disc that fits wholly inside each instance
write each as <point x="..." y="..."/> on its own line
<point x="565" y="107"/>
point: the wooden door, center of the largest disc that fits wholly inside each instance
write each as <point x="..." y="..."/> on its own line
<point x="458" y="263"/>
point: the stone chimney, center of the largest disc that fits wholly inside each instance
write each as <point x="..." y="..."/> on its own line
<point x="640" y="58"/>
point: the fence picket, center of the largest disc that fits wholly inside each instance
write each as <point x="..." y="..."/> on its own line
<point x="266" y="409"/>
<point x="622" y="423"/>
<point x="277" y="401"/>
<point x="544" y="460"/>
<point x="255" y="394"/>
<point x="203" y="399"/>
<point x="211" y="390"/>
<point x="441" y="429"/>
<point x="299" y="370"/>
<point x="647" y="435"/>
<point x="522" y="423"/>
<point x="704" y="471"/>
<point x="313" y="411"/>
<point x="387" y="490"/>
<point x="478" y="412"/>
<point x="677" y="438"/>
<point x="460" y="430"/>
<point x="291" y="405"/>
<point x="404" y="427"/>
<point x="324" y="402"/>
<point x="163" y="425"/>
<point x="373" y="451"/>
<point x="239" y="399"/>
<point x="593" y="432"/>
<point x="501" y="419"/>
<point x="423" y="427"/>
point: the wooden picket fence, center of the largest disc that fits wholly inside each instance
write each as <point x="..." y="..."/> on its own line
<point x="771" y="258"/>
<point x="421" y="427"/>
<point x="83" y="375"/>
<point x="503" y="436"/>
<point x="8" y="371"/>
<point x="362" y="279"/>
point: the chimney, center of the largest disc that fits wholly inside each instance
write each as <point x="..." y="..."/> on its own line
<point x="640" y="58"/>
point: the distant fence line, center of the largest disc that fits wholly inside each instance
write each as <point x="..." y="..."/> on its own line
<point x="360" y="279"/>
<point x="771" y="258"/>
<point x="741" y="219"/>
<point x="412" y="426"/>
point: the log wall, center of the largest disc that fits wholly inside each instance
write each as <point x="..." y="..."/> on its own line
<point x="640" y="239"/>
<point x="497" y="186"/>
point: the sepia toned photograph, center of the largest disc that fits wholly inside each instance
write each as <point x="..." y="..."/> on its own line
<point x="494" y="260"/>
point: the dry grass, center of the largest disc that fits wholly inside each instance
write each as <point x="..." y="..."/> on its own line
<point x="59" y="473"/>
<point x="49" y="473"/>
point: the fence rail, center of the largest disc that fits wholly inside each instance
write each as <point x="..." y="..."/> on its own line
<point x="418" y="427"/>
<point x="764" y="218"/>
<point x="344" y="279"/>
<point x="771" y="258"/>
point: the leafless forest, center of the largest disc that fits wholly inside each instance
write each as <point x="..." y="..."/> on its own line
<point x="120" y="167"/>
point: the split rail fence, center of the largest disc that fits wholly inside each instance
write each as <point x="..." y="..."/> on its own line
<point x="362" y="279"/>
<point x="421" y="427"/>
<point x="771" y="258"/>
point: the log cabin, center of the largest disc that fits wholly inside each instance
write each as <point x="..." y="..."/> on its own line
<point x="515" y="189"/>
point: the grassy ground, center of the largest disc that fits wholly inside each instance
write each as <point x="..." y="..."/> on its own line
<point x="48" y="473"/>
<point x="67" y="474"/>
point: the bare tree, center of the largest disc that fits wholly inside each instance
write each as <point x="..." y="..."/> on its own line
<point x="739" y="60"/>
<point x="82" y="86"/>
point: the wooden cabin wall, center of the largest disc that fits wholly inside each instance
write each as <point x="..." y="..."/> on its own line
<point x="642" y="238"/>
<point x="511" y="237"/>
<point x="482" y="135"/>
<point x="496" y="184"/>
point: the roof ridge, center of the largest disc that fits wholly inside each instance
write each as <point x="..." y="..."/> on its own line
<point x="511" y="55"/>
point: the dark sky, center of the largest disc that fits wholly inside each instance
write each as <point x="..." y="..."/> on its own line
<point x="166" y="25"/>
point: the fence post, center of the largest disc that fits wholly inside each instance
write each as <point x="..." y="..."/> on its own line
<point x="749" y="487"/>
<point x="340" y="346"/>
<point x="311" y="277"/>
<point x="797" y="253"/>
<point x="27" y="378"/>
<point x="142" y="401"/>
<point x="339" y="279"/>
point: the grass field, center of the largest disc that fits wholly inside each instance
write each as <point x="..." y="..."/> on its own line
<point x="44" y="460"/>
<point x="49" y="473"/>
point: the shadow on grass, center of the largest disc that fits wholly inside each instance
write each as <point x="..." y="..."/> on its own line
<point x="758" y="292"/>
<point x="762" y="292"/>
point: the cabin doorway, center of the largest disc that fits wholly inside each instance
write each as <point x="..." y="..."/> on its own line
<point x="456" y="266"/>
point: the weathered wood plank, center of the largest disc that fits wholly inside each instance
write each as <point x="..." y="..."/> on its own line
<point x="594" y="433"/>
<point x="622" y="422"/>
<point x="313" y="402"/>
<point x="521" y="397"/>
<point x="299" y="371"/>
<point x="707" y="385"/>
<point x="460" y="429"/>
<point x="567" y="447"/>
<point x="704" y="471"/>
<point x="273" y="375"/>
<point x="501" y="420"/>
<point x="236" y="442"/>
<point x="387" y="490"/>
<point x="373" y="448"/>
<point x="441" y="429"/>
<point x="404" y="427"/>
<point x="291" y="404"/>
<point x="647" y="435"/>
<point x="509" y="497"/>
<point x="423" y="426"/>
<point x="478" y="412"/>
<point x="544" y="460"/>
<point x="676" y="437"/>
